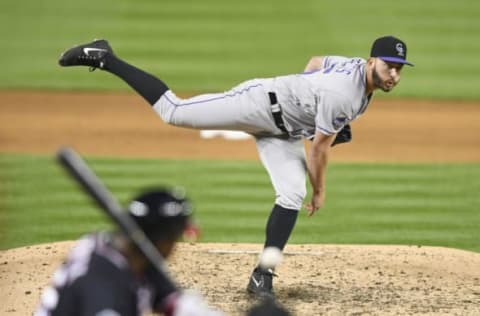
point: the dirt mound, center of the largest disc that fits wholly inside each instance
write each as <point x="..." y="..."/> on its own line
<point x="313" y="279"/>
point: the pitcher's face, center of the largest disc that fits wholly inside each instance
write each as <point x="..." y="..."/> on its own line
<point x="386" y="75"/>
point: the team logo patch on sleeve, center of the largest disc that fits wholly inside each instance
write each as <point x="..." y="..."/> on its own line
<point x="340" y="121"/>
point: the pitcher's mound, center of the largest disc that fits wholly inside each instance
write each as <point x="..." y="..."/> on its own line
<point x="313" y="279"/>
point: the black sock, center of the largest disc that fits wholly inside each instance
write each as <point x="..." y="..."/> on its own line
<point x="148" y="86"/>
<point x="279" y="226"/>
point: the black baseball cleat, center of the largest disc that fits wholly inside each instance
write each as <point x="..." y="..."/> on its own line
<point x="92" y="54"/>
<point x="261" y="283"/>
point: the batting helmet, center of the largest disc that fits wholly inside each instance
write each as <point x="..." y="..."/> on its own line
<point x="162" y="214"/>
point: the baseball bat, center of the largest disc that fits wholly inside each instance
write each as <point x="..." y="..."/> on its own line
<point x="89" y="181"/>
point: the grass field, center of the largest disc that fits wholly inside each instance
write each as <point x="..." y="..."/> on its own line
<point x="367" y="203"/>
<point x="199" y="46"/>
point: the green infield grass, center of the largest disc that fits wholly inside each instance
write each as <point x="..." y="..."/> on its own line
<point x="410" y="204"/>
<point x="211" y="45"/>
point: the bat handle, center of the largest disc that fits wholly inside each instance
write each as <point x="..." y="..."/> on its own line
<point x="88" y="180"/>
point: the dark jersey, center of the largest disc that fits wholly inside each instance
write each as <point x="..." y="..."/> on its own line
<point x="96" y="280"/>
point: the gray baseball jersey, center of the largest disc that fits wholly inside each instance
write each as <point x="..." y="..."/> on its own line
<point x="323" y="100"/>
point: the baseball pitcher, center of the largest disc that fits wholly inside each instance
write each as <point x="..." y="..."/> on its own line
<point x="279" y="112"/>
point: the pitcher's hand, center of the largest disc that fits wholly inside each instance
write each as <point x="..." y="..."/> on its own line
<point x="317" y="201"/>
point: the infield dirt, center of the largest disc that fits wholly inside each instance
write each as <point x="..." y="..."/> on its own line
<point x="314" y="279"/>
<point x="124" y="125"/>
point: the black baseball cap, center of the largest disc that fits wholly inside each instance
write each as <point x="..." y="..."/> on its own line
<point x="162" y="214"/>
<point x="390" y="49"/>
